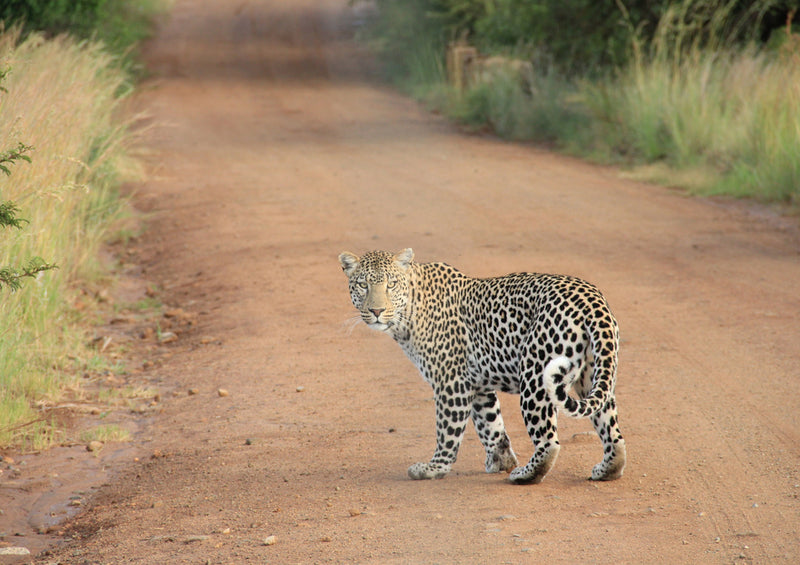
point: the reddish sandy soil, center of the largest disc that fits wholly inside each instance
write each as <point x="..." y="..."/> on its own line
<point x="273" y="149"/>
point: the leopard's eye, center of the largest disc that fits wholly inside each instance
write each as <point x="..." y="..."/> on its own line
<point x="391" y="283"/>
<point x="362" y="284"/>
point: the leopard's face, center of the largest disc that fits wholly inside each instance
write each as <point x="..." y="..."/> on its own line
<point x="379" y="286"/>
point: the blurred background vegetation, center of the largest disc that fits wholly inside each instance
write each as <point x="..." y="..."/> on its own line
<point x="578" y="36"/>
<point x="701" y="94"/>
<point x="120" y="25"/>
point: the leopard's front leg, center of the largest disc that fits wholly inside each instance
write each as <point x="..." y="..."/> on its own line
<point x="453" y="407"/>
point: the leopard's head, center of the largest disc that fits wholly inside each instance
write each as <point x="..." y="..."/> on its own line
<point x="379" y="285"/>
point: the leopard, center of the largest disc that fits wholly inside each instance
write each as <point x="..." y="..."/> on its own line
<point x="551" y="339"/>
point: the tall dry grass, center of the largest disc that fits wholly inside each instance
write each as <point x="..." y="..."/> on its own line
<point x="62" y="98"/>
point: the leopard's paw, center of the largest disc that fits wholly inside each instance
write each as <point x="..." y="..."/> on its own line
<point x="608" y="471"/>
<point x="420" y="471"/>
<point x="526" y="475"/>
<point x="536" y="469"/>
<point x="501" y="460"/>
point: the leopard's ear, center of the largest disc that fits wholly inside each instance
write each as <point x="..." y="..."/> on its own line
<point x="349" y="262"/>
<point x="404" y="258"/>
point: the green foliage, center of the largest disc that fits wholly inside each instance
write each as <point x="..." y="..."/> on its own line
<point x="697" y="101"/>
<point x="8" y="215"/>
<point x="402" y="34"/>
<point x="118" y="24"/>
<point x="579" y="36"/>
<point x="79" y="16"/>
<point x="549" y="114"/>
<point x="10" y="276"/>
<point x="17" y="153"/>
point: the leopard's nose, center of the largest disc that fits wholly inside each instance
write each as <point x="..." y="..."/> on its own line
<point x="377" y="311"/>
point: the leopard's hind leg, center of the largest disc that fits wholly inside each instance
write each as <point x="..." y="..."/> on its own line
<point x="492" y="433"/>
<point x="539" y="414"/>
<point x="607" y="427"/>
<point x="604" y="420"/>
<point x="606" y="424"/>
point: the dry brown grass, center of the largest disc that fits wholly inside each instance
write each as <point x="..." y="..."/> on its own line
<point x="62" y="99"/>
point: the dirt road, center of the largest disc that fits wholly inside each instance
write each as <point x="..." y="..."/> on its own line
<point x="273" y="152"/>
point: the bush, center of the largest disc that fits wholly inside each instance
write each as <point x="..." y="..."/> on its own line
<point x="580" y="36"/>
<point x="407" y="39"/>
<point x="550" y="114"/>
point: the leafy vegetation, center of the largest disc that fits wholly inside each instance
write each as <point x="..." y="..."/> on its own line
<point x="577" y="36"/>
<point x="703" y="92"/>
<point x="730" y="114"/>
<point x="120" y="25"/>
<point x="11" y="277"/>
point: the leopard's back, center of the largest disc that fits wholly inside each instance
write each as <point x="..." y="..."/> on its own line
<point x="492" y="324"/>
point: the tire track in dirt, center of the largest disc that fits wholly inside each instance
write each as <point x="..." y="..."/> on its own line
<point x="276" y="151"/>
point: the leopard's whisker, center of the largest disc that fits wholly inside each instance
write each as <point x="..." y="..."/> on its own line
<point x="351" y="323"/>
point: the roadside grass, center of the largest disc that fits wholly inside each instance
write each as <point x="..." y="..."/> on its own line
<point x="725" y="121"/>
<point x="122" y="26"/>
<point x="707" y="116"/>
<point x="63" y="99"/>
<point x="548" y="111"/>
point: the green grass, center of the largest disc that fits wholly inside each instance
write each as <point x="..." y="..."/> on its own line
<point x="550" y="114"/>
<point x="105" y="433"/>
<point x="718" y="122"/>
<point x="63" y="99"/>
<point x="735" y="113"/>
<point x="693" y="108"/>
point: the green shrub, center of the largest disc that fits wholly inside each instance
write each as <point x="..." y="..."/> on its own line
<point x="548" y="110"/>
<point x="403" y="34"/>
<point x="580" y="36"/>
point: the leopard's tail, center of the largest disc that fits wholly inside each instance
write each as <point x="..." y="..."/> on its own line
<point x="559" y="376"/>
